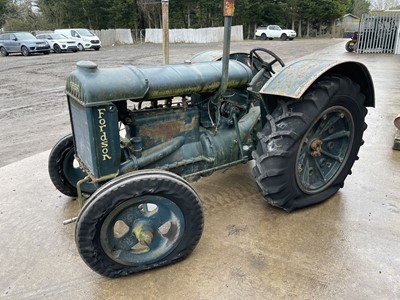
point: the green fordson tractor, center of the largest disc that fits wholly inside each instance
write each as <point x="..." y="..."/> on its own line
<point x="140" y="135"/>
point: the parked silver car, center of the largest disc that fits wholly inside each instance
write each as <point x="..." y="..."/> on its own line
<point x="22" y="42"/>
<point x="59" y="42"/>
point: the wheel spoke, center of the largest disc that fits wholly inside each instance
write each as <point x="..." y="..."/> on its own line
<point x="319" y="169"/>
<point x="130" y="215"/>
<point x="338" y="158"/>
<point x="324" y="126"/>
<point x="163" y="216"/>
<point x="337" y="135"/>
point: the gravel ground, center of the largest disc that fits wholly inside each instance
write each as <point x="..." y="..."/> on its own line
<point x="34" y="112"/>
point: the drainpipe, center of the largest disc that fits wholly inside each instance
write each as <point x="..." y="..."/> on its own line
<point x="229" y="9"/>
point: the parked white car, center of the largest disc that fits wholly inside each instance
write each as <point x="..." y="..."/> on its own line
<point x="274" y="31"/>
<point x="58" y="42"/>
<point x="85" y="38"/>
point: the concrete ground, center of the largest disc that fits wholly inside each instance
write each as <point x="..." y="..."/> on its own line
<point x="344" y="248"/>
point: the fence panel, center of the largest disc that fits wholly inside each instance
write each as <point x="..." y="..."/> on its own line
<point x="378" y="34"/>
<point x="202" y="35"/>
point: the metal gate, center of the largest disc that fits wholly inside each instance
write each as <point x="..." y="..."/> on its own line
<point x="378" y="33"/>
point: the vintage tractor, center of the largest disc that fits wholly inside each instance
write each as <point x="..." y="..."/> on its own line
<point x="140" y="134"/>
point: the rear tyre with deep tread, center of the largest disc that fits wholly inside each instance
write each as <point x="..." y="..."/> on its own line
<point x="308" y="146"/>
<point x="157" y="205"/>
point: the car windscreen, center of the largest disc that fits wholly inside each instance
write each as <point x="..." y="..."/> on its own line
<point x="24" y="36"/>
<point x="57" y="36"/>
<point x="85" y="32"/>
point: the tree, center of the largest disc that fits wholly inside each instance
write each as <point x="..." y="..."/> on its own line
<point x="359" y="7"/>
<point x="4" y="10"/>
<point x="384" y="4"/>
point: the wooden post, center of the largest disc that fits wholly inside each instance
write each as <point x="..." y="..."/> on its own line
<point x="165" y="21"/>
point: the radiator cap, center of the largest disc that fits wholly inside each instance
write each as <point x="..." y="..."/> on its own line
<point x="86" y="64"/>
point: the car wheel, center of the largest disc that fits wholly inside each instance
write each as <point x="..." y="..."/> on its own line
<point x="264" y="36"/>
<point x="25" y="51"/>
<point x="284" y="37"/>
<point x="270" y="39"/>
<point x="46" y="52"/>
<point x="96" y="49"/>
<point x="57" y="48"/>
<point x="3" y="51"/>
<point x="80" y="47"/>
<point x="291" y="39"/>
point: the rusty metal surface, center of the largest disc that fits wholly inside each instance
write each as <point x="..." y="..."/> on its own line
<point x="293" y="80"/>
<point x="229" y="8"/>
<point x="93" y="86"/>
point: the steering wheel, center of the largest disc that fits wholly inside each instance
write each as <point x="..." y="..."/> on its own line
<point x="254" y="56"/>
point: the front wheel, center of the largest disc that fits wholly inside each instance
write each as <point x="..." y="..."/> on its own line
<point x="25" y="51"/>
<point x="64" y="171"/>
<point x="57" y="48"/>
<point x="284" y="37"/>
<point x="80" y="47"/>
<point x="264" y="36"/>
<point x="139" y="221"/>
<point x="308" y="146"/>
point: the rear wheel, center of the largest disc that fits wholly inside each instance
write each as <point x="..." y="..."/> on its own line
<point x="350" y="46"/>
<point x="139" y="221"/>
<point x="3" y="51"/>
<point x="308" y="146"/>
<point x="25" y="51"/>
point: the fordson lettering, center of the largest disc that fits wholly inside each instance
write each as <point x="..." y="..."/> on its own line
<point x="103" y="134"/>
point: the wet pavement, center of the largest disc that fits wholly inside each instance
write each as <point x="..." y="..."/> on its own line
<point x="344" y="248"/>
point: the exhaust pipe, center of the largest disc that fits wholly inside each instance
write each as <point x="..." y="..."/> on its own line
<point x="229" y="9"/>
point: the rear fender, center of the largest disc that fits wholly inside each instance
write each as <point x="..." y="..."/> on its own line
<point x="294" y="80"/>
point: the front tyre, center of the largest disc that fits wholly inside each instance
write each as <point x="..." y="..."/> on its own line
<point x="25" y="51"/>
<point x="57" y="48"/>
<point x="308" y="146"/>
<point x="64" y="171"/>
<point x="139" y="221"/>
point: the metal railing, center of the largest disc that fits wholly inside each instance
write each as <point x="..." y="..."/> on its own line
<point x="378" y="33"/>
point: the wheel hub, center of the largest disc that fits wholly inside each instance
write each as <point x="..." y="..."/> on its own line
<point x="316" y="148"/>
<point x="143" y="233"/>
